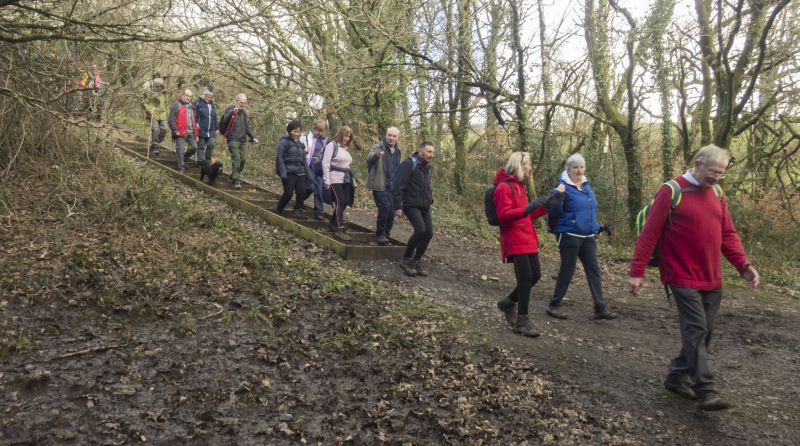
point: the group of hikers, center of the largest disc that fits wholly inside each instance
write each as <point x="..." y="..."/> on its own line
<point x="687" y="225"/>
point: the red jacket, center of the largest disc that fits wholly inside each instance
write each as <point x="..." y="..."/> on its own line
<point x="177" y="114"/>
<point x="517" y="234"/>
<point x="691" y="239"/>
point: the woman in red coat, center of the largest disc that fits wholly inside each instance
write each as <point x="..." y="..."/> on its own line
<point x="518" y="238"/>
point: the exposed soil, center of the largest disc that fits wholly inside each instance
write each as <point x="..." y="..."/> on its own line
<point x="354" y="365"/>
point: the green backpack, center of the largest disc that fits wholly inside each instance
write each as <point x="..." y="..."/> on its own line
<point x="676" y="199"/>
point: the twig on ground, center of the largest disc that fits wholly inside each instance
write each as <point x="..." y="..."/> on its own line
<point x="91" y="350"/>
<point x="214" y="314"/>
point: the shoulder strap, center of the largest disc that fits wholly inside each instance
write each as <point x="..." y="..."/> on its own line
<point x="718" y="191"/>
<point x="511" y="189"/>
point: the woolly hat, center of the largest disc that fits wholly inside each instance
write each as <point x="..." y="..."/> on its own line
<point x="158" y="81"/>
<point x="206" y="92"/>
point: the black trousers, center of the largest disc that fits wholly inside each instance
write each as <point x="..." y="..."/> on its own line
<point x="421" y="220"/>
<point x="293" y="184"/>
<point x="527" y="271"/>
<point x="340" y="191"/>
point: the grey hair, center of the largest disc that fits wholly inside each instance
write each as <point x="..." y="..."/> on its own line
<point x="514" y="165"/>
<point x="187" y="91"/>
<point x="240" y="96"/>
<point x="712" y="154"/>
<point x="575" y="159"/>
<point x="393" y="128"/>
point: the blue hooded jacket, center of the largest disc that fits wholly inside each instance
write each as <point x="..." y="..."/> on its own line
<point x="206" y="118"/>
<point x="577" y="214"/>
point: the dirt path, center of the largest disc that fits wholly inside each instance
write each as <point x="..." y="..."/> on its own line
<point x="618" y="366"/>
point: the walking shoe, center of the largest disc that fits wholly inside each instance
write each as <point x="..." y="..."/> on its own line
<point x="181" y="170"/>
<point x="556" y="313"/>
<point x="279" y="211"/>
<point x="155" y="151"/>
<point x="605" y="315"/>
<point x="237" y="184"/>
<point x="340" y="233"/>
<point x="318" y="215"/>
<point x="298" y="215"/>
<point x="382" y="240"/>
<point x="231" y="180"/>
<point x="332" y="227"/>
<point x="710" y="400"/>
<point x="407" y="266"/>
<point x="509" y="309"/>
<point x="523" y="326"/>
<point x="418" y="267"/>
<point x="681" y="388"/>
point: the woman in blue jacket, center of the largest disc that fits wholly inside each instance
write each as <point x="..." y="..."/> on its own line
<point x="207" y="126"/>
<point x="577" y="232"/>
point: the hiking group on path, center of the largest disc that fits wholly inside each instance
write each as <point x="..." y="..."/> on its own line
<point x="683" y="230"/>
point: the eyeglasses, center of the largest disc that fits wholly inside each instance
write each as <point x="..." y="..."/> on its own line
<point x="716" y="174"/>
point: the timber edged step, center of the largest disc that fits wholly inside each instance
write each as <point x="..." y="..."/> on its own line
<point x="258" y="200"/>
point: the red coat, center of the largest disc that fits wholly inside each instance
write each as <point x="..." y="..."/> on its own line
<point x="517" y="233"/>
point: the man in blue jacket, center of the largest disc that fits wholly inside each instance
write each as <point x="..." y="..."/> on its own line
<point x="207" y="125"/>
<point x="411" y="188"/>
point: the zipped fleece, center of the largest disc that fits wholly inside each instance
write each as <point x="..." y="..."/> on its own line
<point x="692" y="237"/>
<point x="517" y="233"/>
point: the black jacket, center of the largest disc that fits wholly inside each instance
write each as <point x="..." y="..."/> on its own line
<point x="412" y="185"/>
<point x="291" y="158"/>
<point x="241" y="125"/>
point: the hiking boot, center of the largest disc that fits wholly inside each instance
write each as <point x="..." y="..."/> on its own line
<point x="155" y="151"/>
<point x="556" y="312"/>
<point x="181" y="170"/>
<point x="318" y="215"/>
<point x="509" y="309"/>
<point x="710" y="400"/>
<point x="231" y="180"/>
<point x="332" y="227"/>
<point x="382" y="240"/>
<point x="418" y="267"/>
<point x="279" y="211"/>
<point x="298" y="215"/>
<point x="340" y="234"/>
<point x="605" y="315"/>
<point x="237" y="184"/>
<point x="523" y="327"/>
<point x="681" y="388"/>
<point x="407" y="265"/>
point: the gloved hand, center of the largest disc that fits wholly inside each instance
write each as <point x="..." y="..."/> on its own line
<point x="546" y="202"/>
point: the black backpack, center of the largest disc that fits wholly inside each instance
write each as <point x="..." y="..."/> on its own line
<point x="488" y="203"/>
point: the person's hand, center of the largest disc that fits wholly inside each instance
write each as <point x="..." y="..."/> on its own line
<point x="751" y="276"/>
<point x="380" y="153"/>
<point x="597" y="235"/>
<point x="217" y="132"/>
<point x="235" y="110"/>
<point x="255" y="141"/>
<point x="398" y="212"/>
<point x="327" y="186"/>
<point x="152" y="111"/>
<point x="634" y="284"/>
<point x="307" y="149"/>
<point x="561" y="187"/>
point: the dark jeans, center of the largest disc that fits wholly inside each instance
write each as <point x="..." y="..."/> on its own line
<point x="420" y="219"/>
<point x="528" y="272"/>
<point x="697" y="313"/>
<point x="293" y="184"/>
<point x="180" y="148"/>
<point x="205" y="149"/>
<point x="383" y="199"/>
<point x="572" y="248"/>
<point x="340" y="191"/>
<point x="319" y="186"/>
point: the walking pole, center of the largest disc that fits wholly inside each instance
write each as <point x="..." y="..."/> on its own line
<point x="150" y="138"/>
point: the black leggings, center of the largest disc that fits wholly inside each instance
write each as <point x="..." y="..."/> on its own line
<point x="293" y="183"/>
<point x="528" y="272"/>
<point x="420" y="219"/>
<point x="340" y="191"/>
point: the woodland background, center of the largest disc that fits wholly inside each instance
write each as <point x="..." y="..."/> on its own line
<point x="636" y="89"/>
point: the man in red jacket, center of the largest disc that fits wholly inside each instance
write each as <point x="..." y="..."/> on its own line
<point x="691" y="238"/>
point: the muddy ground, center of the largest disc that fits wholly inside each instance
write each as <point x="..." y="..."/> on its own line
<point x="361" y="364"/>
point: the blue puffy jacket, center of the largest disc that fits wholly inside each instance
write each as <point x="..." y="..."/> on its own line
<point x="206" y="118"/>
<point x="577" y="214"/>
